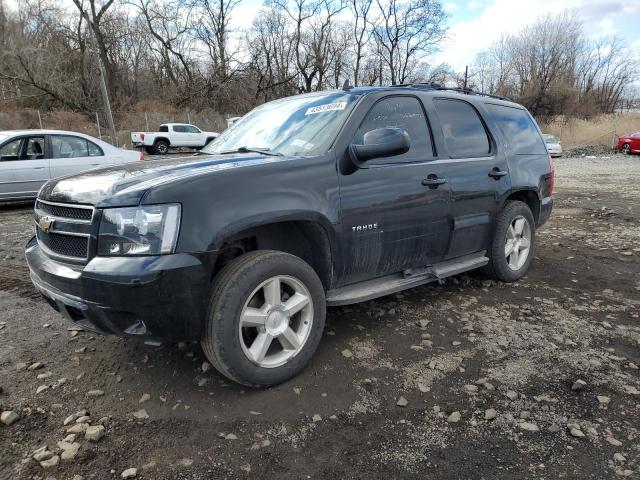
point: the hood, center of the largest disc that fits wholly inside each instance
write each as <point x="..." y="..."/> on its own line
<point x="125" y="185"/>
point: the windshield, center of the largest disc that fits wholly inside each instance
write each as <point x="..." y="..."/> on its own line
<point x="303" y="125"/>
<point x="549" y="138"/>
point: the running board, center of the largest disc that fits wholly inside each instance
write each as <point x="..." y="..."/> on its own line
<point x="379" y="287"/>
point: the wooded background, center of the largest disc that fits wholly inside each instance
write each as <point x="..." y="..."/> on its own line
<point x="184" y="55"/>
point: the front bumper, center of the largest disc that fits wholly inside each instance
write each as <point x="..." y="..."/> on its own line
<point x="156" y="297"/>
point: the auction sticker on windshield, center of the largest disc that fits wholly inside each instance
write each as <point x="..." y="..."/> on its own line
<point x="326" y="108"/>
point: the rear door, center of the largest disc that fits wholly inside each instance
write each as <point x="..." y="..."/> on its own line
<point x="390" y="220"/>
<point x="24" y="166"/>
<point x="71" y="154"/>
<point x="478" y="177"/>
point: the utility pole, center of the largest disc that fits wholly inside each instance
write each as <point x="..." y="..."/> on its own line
<point x="107" y="104"/>
<point x="466" y="76"/>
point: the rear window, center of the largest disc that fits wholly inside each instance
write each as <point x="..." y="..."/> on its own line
<point x="163" y="128"/>
<point x="463" y="130"/>
<point x="519" y="130"/>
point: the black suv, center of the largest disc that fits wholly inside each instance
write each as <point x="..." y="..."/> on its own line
<point x="328" y="198"/>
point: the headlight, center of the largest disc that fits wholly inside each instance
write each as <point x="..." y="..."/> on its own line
<point x="144" y="230"/>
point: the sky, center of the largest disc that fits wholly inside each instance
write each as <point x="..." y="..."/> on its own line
<point x="475" y="24"/>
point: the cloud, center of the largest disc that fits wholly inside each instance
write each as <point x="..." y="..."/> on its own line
<point x="467" y="38"/>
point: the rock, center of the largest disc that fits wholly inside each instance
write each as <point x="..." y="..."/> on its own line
<point x="528" y="426"/>
<point x="42" y="454"/>
<point x="94" y="433"/>
<point x="85" y="419"/>
<point x="70" y="438"/>
<point x="576" y="432"/>
<point x="44" y="376"/>
<point x="206" y="366"/>
<point x="35" y="366"/>
<point x="144" y="398"/>
<point x="511" y="395"/>
<point x="9" y="417"/>
<point x="619" y="458"/>
<point x="95" y="393"/>
<point x="185" y="462"/>
<point x="454" y="417"/>
<point x="578" y="385"/>
<point x="104" y="421"/>
<point x="554" y="427"/>
<point x="297" y="390"/>
<point x="21" y="366"/>
<point x="472" y="389"/>
<point x="78" y="428"/>
<point x="69" y="420"/>
<point x="402" y="402"/>
<point x="614" y="442"/>
<point x="42" y="388"/>
<point x="631" y="390"/>
<point x="490" y="414"/>
<point x="149" y="466"/>
<point x="603" y="400"/>
<point x="69" y="450"/>
<point x="347" y="353"/>
<point x="423" y="388"/>
<point x="141" y="414"/>
<point x="316" y="418"/>
<point x="253" y="412"/>
<point x="129" y="473"/>
<point x="424" y="323"/>
<point x="50" y="463"/>
<point x="230" y="436"/>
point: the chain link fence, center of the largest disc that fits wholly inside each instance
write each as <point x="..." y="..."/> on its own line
<point x="95" y="123"/>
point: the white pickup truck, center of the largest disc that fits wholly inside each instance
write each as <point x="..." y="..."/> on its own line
<point x="172" y="135"/>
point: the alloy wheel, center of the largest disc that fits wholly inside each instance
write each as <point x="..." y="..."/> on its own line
<point x="518" y="244"/>
<point x="276" y="321"/>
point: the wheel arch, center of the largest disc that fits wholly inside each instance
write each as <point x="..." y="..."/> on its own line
<point x="161" y="139"/>
<point x="305" y="236"/>
<point x="530" y="197"/>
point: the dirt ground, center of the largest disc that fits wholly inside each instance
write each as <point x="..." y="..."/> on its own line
<point x="459" y="354"/>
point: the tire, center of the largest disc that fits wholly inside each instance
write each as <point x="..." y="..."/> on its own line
<point x="244" y="283"/>
<point x="626" y="149"/>
<point x="499" y="267"/>
<point x="161" y="147"/>
<point x="150" y="150"/>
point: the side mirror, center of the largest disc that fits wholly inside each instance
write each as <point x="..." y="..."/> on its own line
<point x="380" y="143"/>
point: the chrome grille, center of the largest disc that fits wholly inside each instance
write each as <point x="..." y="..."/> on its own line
<point x="68" y="212"/>
<point x="64" y="245"/>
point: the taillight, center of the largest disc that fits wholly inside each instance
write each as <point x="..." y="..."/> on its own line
<point x="141" y="155"/>
<point x="552" y="177"/>
<point x="142" y="137"/>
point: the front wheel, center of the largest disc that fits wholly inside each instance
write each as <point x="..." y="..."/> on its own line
<point x="513" y="244"/>
<point x="626" y="149"/>
<point x="265" y="320"/>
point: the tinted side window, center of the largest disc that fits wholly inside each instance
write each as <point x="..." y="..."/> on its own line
<point x="179" y="128"/>
<point x="163" y="128"/>
<point x="400" y="112"/>
<point x="94" y="150"/>
<point x="68" y="147"/>
<point x="519" y="130"/>
<point x="463" y="130"/>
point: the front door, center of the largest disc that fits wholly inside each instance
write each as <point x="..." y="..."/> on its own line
<point x="395" y="212"/>
<point x="24" y="167"/>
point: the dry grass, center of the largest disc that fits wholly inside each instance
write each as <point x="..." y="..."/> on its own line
<point x="601" y="130"/>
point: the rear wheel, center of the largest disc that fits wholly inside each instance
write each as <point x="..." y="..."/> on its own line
<point x="626" y="149"/>
<point x="150" y="150"/>
<point x="266" y="317"/>
<point x="161" y="147"/>
<point x="513" y="244"/>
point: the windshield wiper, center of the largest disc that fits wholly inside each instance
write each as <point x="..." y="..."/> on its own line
<point x="264" y="151"/>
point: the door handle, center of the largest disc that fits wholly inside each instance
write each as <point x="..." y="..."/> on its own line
<point x="497" y="174"/>
<point x="433" y="181"/>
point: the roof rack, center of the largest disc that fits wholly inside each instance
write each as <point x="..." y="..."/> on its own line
<point x="466" y="91"/>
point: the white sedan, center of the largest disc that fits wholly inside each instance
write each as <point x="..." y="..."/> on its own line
<point x="29" y="158"/>
<point x="553" y="145"/>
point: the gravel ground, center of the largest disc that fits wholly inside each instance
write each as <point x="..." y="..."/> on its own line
<point x="468" y="379"/>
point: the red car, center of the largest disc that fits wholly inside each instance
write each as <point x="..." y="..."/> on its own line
<point x="629" y="143"/>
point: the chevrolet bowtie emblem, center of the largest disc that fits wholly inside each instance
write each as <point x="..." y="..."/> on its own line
<point x="45" y="223"/>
